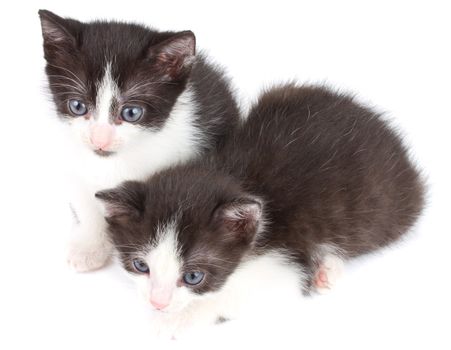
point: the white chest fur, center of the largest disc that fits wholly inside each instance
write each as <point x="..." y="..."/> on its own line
<point x="142" y="153"/>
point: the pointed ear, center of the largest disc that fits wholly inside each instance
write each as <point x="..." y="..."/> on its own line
<point x="127" y="200"/>
<point x="242" y="218"/>
<point x="56" y="30"/>
<point x="174" y="57"/>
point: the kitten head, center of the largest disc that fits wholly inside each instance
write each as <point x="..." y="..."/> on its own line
<point x="181" y="234"/>
<point x="114" y="83"/>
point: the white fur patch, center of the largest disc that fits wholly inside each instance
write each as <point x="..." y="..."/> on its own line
<point x="164" y="259"/>
<point x="269" y="281"/>
<point x="139" y="152"/>
<point x="107" y="91"/>
<point x="165" y="272"/>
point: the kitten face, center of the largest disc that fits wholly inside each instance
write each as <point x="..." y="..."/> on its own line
<point x="178" y="252"/>
<point x="114" y="83"/>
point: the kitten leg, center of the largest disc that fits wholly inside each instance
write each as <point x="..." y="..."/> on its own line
<point x="328" y="273"/>
<point x="89" y="248"/>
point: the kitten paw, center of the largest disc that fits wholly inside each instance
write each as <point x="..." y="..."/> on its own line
<point x="328" y="273"/>
<point x="84" y="258"/>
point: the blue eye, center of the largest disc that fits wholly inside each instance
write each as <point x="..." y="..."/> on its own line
<point x="132" y="114"/>
<point x="193" y="278"/>
<point x="140" y="266"/>
<point x="77" y="108"/>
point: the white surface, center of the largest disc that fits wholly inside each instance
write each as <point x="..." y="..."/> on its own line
<point x="394" y="55"/>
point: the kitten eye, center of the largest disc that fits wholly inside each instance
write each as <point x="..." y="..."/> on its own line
<point x="132" y="114"/>
<point x="193" y="278"/>
<point x="140" y="266"/>
<point x="77" y="108"/>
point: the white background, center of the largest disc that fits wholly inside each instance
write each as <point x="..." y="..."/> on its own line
<point x="395" y="55"/>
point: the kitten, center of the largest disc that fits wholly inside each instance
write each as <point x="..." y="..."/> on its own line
<point x="310" y="179"/>
<point x="133" y="101"/>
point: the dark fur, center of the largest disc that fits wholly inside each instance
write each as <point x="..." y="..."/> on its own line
<point x="163" y="61"/>
<point x="326" y="170"/>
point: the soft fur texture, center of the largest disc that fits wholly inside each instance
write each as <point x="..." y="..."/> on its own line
<point x="311" y="178"/>
<point x="188" y="110"/>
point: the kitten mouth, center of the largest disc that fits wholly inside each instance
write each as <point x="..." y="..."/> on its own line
<point x="162" y="311"/>
<point x="103" y="153"/>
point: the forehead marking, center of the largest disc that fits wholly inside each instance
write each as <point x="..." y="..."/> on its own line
<point x="164" y="258"/>
<point x="107" y="92"/>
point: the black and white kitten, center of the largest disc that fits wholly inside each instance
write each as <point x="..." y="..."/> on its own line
<point x="133" y="101"/>
<point x="310" y="179"/>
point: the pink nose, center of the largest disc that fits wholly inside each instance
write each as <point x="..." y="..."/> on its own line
<point x="102" y="136"/>
<point x="158" y="305"/>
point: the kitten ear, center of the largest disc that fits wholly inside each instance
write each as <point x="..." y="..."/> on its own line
<point x="56" y="30"/>
<point x="174" y="56"/>
<point x="126" y="200"/>
<point x="242" y="218"/>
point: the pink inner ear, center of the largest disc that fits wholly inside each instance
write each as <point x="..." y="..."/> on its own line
<point x="176" y="54"/>
<point x="171" y="63"/>
<point x="113" y="209"/>
<point x="173" y="66"/>
<point x="243" y="218"/>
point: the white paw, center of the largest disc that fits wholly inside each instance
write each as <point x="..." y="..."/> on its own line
<point x="88" y="256"/>
<point x="329" y="272"/>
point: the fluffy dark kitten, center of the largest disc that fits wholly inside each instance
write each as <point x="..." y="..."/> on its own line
<point x="310" y="179"/>
<point x="133" y="101"/>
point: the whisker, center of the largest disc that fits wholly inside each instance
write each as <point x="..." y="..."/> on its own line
<point x="68" y="86"/>
<point x="135" y="95"/>
<point x="81" y="86"/>
<point x="200" y="256"/>
<point x="200" y="266"/>
<point x="68" y="93"/>
<point x="67" y="70"/>
<point x="131" y="245"/>
<point x="143" y="83"/>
